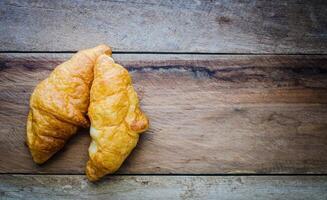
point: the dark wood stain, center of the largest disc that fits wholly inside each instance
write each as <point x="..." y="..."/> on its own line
<point x="223" y="20"/>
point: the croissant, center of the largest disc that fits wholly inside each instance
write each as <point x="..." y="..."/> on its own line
<point x="59" y="104"/>
<point x="116" y="118"/>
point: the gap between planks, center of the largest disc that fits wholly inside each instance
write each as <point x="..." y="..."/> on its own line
<point x="196" y="175"/>
<point x="171" y="53"/>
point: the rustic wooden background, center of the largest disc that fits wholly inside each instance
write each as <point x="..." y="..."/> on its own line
<point x="236" y="92"/>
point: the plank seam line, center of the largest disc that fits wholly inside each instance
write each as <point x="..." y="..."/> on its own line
<point x="238" y="174"/>
<point x="172" y="52"/>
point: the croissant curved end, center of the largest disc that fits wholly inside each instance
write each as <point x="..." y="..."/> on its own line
<point x="105" y="49"/>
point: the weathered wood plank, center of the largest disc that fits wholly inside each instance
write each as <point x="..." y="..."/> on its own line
<point x="163" y="187"/>
<point x="295" y="26"/>
<point x="209" y="114"/>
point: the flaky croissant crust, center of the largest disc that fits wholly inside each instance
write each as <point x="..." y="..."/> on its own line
<point x="59" y="104"/>
<point x="116" y="118"/>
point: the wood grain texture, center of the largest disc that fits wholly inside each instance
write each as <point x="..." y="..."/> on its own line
<point x="164" y="187"/>
<point x="258" y="26"/>
<point x="208" y="114"/>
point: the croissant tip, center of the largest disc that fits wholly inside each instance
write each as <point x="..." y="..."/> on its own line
<point x="39" y="161"/>
<point x="90" y="173"/>
<point x="106" y="49"/>
<point x="39" y="157"/>
<point x="140" y="126"/>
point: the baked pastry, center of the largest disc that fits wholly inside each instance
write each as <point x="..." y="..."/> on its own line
<point x="116" y="118"/>
<point x="59" y="104"/>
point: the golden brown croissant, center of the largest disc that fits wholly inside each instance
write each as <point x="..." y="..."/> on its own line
<point x="59" y="103"/>
<point x="116" y="118"/>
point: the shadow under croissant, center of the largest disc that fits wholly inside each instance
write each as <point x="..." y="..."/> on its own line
<point x="72" y="158"/>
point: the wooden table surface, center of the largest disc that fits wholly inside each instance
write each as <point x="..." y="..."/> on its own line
<point x="236" y="93"/>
